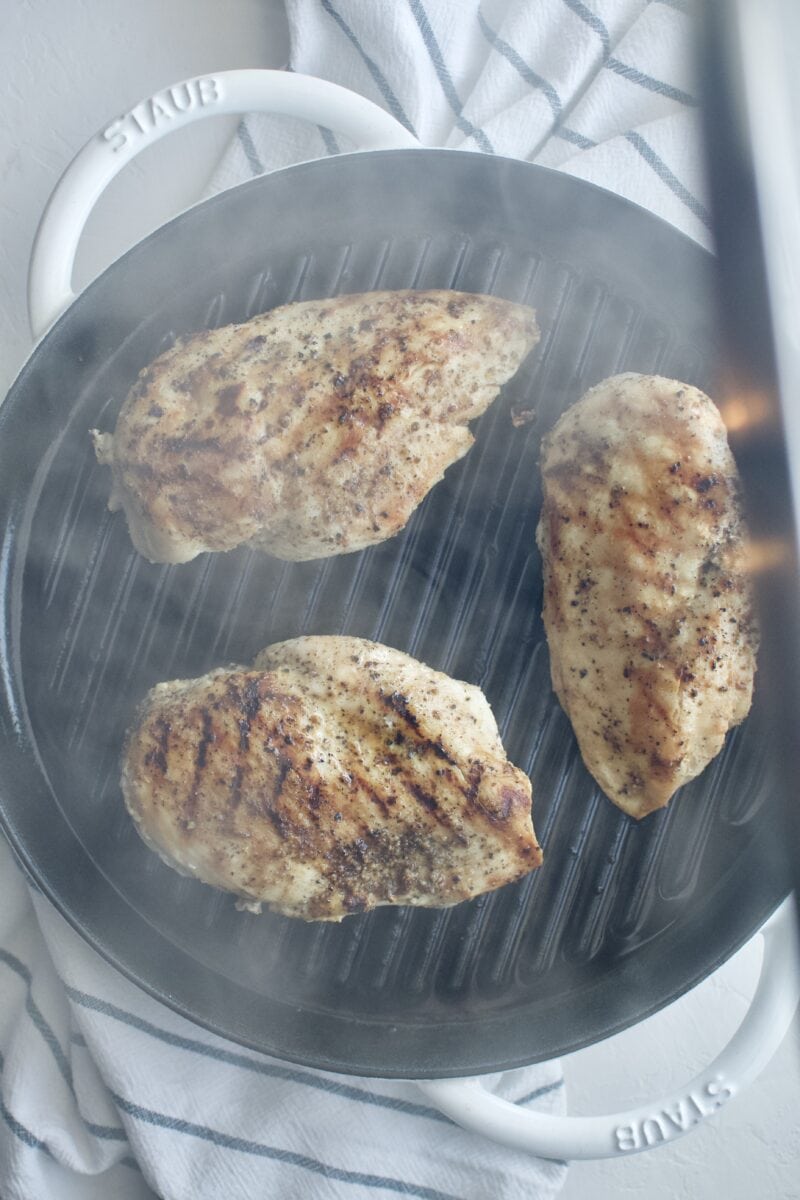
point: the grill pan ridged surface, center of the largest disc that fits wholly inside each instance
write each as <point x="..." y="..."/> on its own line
<point x="622" y="917"/>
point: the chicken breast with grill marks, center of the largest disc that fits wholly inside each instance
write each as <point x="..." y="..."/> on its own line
<point x="334" y="776"/>
<point x="647" y="606"/>
<point x="312" y="430"/>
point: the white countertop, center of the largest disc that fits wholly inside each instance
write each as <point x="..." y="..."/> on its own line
<point x="67" y="70"/>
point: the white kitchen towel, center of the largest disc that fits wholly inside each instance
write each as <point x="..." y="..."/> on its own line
<point x="108" y="1094"/>
<point x="603" y="89"/>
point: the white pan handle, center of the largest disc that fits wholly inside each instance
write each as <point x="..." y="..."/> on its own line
<point x="93" y="168"/>
<point x="760" y="1034"/>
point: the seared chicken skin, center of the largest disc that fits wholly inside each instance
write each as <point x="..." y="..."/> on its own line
<point x="311" y="430"/>
<point x="335" y="776"/>
<point x="647" y="607"/>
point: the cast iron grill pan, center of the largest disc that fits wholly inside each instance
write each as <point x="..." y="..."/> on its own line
<point x="623" y="917"/>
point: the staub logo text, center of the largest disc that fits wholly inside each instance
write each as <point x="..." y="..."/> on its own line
<point x="674" y="1119"/>
<point x="161" y="109"/>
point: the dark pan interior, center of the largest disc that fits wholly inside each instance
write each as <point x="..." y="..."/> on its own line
<point x="623" y="917"/>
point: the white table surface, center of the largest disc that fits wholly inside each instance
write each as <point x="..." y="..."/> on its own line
<point x="69" y="66"/>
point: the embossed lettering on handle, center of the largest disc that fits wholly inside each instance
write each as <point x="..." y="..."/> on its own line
<point x="161" y="109"/>
<point x="675" y="1118"/>
<point x="661" y="1121"/>
<point x="366" y="124"/>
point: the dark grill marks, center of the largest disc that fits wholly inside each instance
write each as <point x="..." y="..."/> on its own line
<point x="268" y="802"/>
<point x="474" y="777"/>
<point x="431" y="805"/>
<point x="384" y="803"/>
<point x="249" y="700"/>
<point x="278" y="822"/>
<point x="229" y="823"/>
<point x="425" y="798"/>
<point x="398" y="703"/>
<point x="157" y="757"/>
<point x="283" y="771"/>
<point x="470" y="786"/>
<point x="206" y="738"/>
<point x="438" y="749"/>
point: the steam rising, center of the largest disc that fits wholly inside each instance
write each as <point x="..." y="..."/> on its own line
<point x="460" y="589"/>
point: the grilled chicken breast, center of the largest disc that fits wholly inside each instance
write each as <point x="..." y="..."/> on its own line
<point x="312" y="430"/>
<point x="646" y="602"/>
<point x="334" y="776"/>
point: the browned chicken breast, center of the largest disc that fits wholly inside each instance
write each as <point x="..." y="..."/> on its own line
<point x="312" y="430"/>
<point x="646" y="603"/>
<point x="335" y="776"/>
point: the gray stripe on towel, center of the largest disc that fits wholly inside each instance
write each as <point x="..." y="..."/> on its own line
<point x="537" y="82"/>
<point x="24" y="1135"/>
<point x="518" y="63"/>
<point x="327" y="135"/>
<point x="666" y="176"/>
<point x="271" y="1070"/>
<point x="248" y="146"/>
<point x="650" y="84"/>
<point x="593" y="21"/>
<point x="29" y="1139"/>
<point x="380" y="79"/>
<point x="444" y="77"/>
<point x="329" y="138"/>
<point x="37" y="1017"/>
<point x="277" y="1154"/>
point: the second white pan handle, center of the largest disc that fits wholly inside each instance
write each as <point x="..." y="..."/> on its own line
<point x="93" y="168"/>
<point x="662" y="1120"/>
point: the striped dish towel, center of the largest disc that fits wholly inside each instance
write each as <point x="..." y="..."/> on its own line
<point x="107" y="1094"/>
<point x="601" y="89"/>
